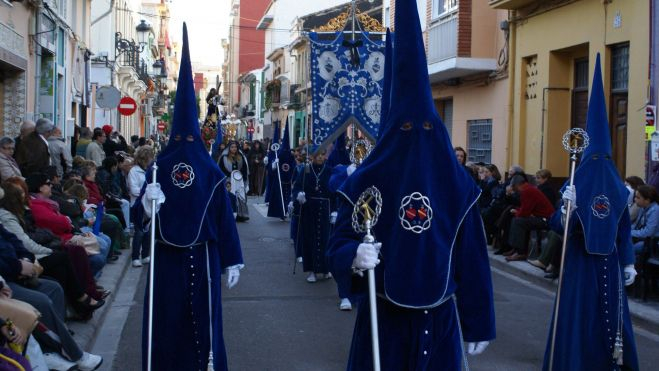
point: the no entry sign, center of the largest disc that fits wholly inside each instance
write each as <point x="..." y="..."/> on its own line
<point x="127" y="106"/>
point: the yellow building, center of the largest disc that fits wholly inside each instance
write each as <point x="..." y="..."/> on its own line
<point x="553" y="47"/>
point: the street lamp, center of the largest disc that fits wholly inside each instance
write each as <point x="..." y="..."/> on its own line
<point x="143" y="29"/>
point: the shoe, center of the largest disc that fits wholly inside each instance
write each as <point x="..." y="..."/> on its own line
<point x="89" y="362"/>
<point x="56" y="362"/>
<point x="345" y="304"/>
<point x="113" y="259"/>
<point x="537" y="263"/>
<point x="550" y="268"/>
<point x="311" y="278"/>
<point x="137" y="263"/>
<point x="299" y="259"/>
<point x="146" y="260"/>
<point x="516" y="257"/>
<point x="500" y="252"/>
<point x="87" y="306"/>
<point x="509" y="252"/>
<point x="328" y="276"/>
<point x="551" y="275"/>
<point x="104" y="293"/>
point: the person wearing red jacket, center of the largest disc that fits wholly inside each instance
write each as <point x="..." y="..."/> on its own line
<point x="533" y="213"/>
<point x="46" y="211"/>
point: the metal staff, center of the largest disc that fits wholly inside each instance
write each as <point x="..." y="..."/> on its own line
<point x="210" y="149"/>
<point x="151" y="266"/>
<point x="370" y="218"/>
<point x="275" y="147"/>
<point x="574" y="141"/>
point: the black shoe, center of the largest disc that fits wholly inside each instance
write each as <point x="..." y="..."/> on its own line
<point x="551" y="275"/>
<point x="502" y="251"/>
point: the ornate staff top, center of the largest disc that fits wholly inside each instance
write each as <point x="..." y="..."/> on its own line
<point x="575" y="140"/>
<point x="369" y="207"/>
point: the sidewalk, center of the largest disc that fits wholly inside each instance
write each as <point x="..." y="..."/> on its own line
<point x="644" y="314"/>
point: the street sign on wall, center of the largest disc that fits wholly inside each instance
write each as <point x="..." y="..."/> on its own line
<point x="127" y="106"/>
<point x="107" y="97"/>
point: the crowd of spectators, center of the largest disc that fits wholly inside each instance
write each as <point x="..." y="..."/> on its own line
<point x="65" y="213"/>
<point x="518" y="207"/>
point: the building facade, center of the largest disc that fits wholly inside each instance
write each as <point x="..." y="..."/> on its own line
<point x="550" y="77"/>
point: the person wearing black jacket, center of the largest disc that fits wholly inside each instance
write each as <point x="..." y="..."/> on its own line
<point x="47" y="297"/>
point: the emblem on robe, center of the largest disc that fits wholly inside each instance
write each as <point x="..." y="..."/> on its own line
<point x="601" y="206"/>
<point x="285" y="168"/>
<point x="415" y="213"/>
<point x="182" y="175"/>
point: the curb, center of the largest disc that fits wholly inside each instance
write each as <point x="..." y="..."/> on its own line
<point x="85" y="332"/>
<point x="642" y="315"/>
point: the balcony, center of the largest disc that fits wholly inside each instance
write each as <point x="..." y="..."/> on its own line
<point x="509" y="4"/>
<point x="444" y="61"/>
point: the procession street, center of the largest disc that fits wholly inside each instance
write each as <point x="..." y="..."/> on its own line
<point x="274" y="320"/>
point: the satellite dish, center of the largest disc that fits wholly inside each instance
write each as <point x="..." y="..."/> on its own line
<point x="107" y="97"/>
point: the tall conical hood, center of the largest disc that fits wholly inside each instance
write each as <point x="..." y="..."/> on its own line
<point x="601" y="194"/>
<point x="285" y="142"/>
<point x="339" y="154"/>
<point x="277" y="132"/>
<point x="386" y="84"/>
<point x="185" y="121"/>
<point x="186" y="173"/>
<point x="423" y="209"/>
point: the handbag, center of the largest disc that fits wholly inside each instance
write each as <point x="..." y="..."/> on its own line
<point x="89" y="242"/>
<point x="23" y="315"/>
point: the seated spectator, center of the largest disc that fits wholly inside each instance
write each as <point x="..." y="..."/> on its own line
<point x="48" y="298"/>
<point x="27" y="128"/>
<point x="107" y="181"/>
<point x="489" y="177"/>
<point x="83" y="141"/>
<point x="32" y="154"/>
<point x="8" y="166"/>
<point x="533" y="213"/>
<point x="541" y="180"/>
<point x="60" y="155"/>
<point x="632" y="183"/>
<point x="501" y="216"/>
<point x="56" y="264"/>
<point x="114" y="142"/>
<point x="647" y="223"/>
<point x="94" y="150"/>
<point x="550" y="256"/>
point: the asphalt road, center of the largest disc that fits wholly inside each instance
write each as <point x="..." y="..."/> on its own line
<point x="274" y="320"/>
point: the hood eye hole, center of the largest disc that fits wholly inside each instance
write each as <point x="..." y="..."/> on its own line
<point x="190" y="138"/>
<point x="427" y="125"/>
<point x="177" y="137"/>
<point x="406" y="126"/>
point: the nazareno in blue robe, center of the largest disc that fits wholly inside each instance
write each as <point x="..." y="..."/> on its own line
<point x="314" y="223"/>
<point x="196" y="239"/>
<point x="295" y="215"/>
<point x="280" y="192"/>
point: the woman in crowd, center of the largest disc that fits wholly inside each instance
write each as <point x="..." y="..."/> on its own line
<point x="542" y="177"/>
<point x="489" y="179"/>
<point x="107" y="181"/>
<point x="56" y="264"/>
<point x="647" y="223"/>
<point x="232" y="159"/>
<point x="257" y="174"/>
<point x="8" y="166"/>
<point x="136" y="178"/>
<point x="632" y="183"/>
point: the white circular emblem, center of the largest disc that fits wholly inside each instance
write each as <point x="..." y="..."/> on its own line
<point x="415" y="213"/>
<point x="285" y="167"/>
<point x="601" y="206"/>
<point x="182" y="175"/>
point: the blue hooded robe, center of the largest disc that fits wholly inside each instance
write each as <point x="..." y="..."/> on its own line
<point x="280" y="193"/>
<point x="593" y="309"/>
<point x="434" y="283"/>
<point x="196" y="238"/>
<point x="270" y="155"/>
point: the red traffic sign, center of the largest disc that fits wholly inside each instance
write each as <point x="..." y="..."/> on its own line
<point x="250" y="129"/>
<point x="161" y="126"/>
<point x="127" y="106"/>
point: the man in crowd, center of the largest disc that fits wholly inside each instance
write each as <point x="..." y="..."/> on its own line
<point x="33" y="153"/>
<point x="95" y="148"/>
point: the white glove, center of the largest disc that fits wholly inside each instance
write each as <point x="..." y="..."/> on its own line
<point x="151" y="193"/>
<point x="290" y="207"/>
<point x="265" y="161"/>
<point x="233" y="274"/>
<point x="630" y="274"/>
<point x="333" y="216"/>
<point x="351" y="169"/>
<point x="569" y="195"/>
<point x="367" y="256"/>
<point x="301" y="198"/>
<point x="275" y="163"/>
<point x="474" y="349"/>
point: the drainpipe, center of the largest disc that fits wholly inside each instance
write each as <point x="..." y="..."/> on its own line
<point x="542" y="125"/>
<point x="104" y="14"/>
<point x="511" y="84"/>
<point x="37" y="65"/>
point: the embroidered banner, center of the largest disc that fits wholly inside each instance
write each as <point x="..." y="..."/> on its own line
<point x="345" y="88"/>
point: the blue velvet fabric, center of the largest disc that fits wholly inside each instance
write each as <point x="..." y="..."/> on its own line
<point x="195" y="229"/>
<point x="593" y="302"/>
<point x="339" y="154"/>
<point x="281" y="192"/>
<point x="433" y="241"/>
<point x="271" y="157"/>
<point x="295" y="215"/>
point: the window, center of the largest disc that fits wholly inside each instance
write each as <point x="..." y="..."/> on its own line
<point x="479" y="140"/>
<point x="620" y="67"/>
<point x="443" y="7"/>
<point x="580" y="94"/>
